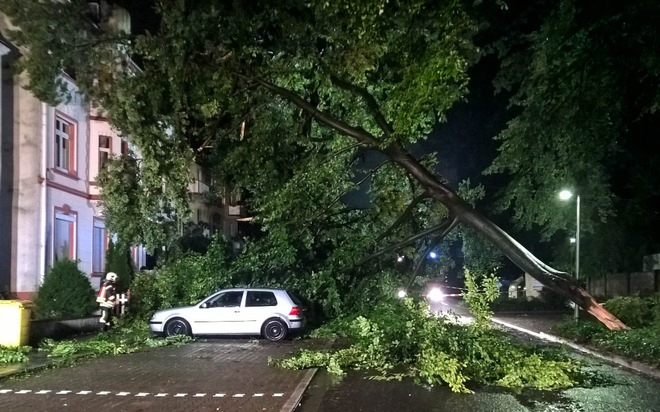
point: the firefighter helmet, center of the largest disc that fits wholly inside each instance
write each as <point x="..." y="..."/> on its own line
<point x="111" y="276"/>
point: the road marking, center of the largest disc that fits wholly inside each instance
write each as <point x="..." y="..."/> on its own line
<point x="141" y="394"/>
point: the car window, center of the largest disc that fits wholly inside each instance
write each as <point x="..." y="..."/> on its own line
<point x="260" y="298"/>
<point x="227" y="299"/>
<point x="294" y="298"/>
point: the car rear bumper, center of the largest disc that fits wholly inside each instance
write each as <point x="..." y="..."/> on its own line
<point x="296" y="324"/>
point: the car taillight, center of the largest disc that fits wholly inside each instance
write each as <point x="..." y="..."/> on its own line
<point x="295" y="311"/>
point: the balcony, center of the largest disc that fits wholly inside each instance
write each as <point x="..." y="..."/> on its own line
<point x="198" y="187"/>
<point x="235" y="210"/>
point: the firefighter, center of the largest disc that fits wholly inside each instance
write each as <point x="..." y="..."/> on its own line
<point x="107" y="298"/>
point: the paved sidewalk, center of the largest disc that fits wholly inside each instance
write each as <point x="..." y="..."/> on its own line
<point x="208" y="375"/>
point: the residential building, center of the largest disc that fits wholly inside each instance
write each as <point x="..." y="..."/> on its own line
<point x="49" y="201"/>
<point x="215" y="213"/>
<point x="50" y="158"/>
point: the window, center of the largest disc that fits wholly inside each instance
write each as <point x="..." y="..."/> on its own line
<point x="64" y="236"/>
<point x="64" y="145"/>
<point x="104" y="150"/>
<point x="124" y="147"/>
<point x="258" y="298"/>
<point x="227" y="299"/>
<point x="98" y="246"/>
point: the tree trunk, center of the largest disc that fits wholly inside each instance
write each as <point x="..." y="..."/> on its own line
<point x="556" y="280"/>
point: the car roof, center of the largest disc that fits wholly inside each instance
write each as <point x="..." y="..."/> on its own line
<point x="254" y="289"/>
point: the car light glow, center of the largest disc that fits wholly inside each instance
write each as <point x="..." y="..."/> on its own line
<point x="435" y="295"/>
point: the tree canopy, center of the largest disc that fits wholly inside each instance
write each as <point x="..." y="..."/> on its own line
<point x="583" y="86"/>
<point x="284" y="99"/>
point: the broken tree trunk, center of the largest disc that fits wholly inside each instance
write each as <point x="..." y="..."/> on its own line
<point x="556" y="280"/>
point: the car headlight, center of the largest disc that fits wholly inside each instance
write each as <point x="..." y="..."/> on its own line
<point x="435" y="295"/>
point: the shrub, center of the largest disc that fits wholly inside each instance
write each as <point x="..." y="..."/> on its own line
<point x="654" y="303"/>
<point x="182" y="281"/>
<point x="118" y="260"/>
<point x="642" y="344"/>
<point x="546" y="301"/>
<point x="65" y="293"/>
<point x="581" y="332"/>
<point x="14" y="354"/>
<point x="552" y="300"/>
<point x="632" y="310"/>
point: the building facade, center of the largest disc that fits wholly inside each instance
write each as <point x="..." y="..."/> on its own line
<point x="50" y="158"/>
<point x="50" y="201"/>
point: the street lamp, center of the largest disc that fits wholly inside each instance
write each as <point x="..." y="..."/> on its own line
<point x="565" y="195"/>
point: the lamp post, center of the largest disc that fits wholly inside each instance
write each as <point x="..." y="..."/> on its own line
<point x="565" y="195"/>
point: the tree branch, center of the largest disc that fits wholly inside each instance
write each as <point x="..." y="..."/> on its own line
<point x="405" y="215"/>
<point x="102" y="40"/>
<point x="427" y="250"/>
<point x="336" y="199"/>
<point x="358" y="133"/>
<point x="445" y="225"/>
<point x="369" y="100"/>
<point x="340" y="151"/>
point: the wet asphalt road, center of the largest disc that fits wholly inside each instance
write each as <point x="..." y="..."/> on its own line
<point x="232" y="375"/>
<point x="207" y="375"/>
<point x="612" y="389"/>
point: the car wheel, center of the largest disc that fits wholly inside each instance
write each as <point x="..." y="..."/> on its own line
<point x="274" y="330"/>
<point x="177" y="326"/>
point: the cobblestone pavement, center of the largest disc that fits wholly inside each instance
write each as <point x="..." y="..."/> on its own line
<point x="211" y="375"/>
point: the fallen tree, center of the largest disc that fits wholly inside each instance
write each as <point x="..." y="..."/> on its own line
<point x="379" y="72"/>
<point x="556" y="280"/>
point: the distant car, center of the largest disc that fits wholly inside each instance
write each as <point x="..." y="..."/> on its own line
<point x="271" y="313"/>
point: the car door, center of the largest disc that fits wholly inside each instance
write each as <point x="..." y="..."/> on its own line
<point x="259" y="306"/>
<point x="219" y="314"/>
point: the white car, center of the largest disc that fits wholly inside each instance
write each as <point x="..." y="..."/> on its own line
<point x="271" y="313"/>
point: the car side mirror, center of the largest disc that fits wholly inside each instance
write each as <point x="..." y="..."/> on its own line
<point x="204" y="305"/>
